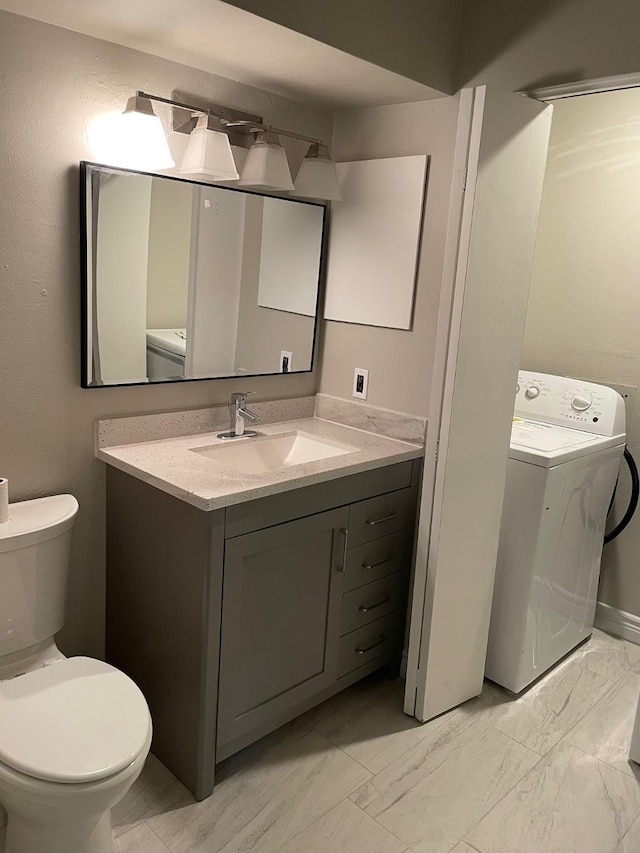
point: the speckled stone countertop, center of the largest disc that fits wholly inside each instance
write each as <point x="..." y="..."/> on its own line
<point x="170" y="465"/>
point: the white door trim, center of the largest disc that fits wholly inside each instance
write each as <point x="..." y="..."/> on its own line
<point x="586" y="87"/>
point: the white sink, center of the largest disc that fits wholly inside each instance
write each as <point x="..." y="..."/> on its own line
<point x="269" y="453"/>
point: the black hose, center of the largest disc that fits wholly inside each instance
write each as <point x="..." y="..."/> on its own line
<point x="633" y="500"/>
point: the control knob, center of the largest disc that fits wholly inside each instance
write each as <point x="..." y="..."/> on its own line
<point x="581" y="402"/>
<point x="532" y="392"/>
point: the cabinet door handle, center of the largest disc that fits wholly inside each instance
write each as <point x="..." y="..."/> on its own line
<point x="379" y="563"/>
<point x="389" y="517"/>
<point x="382" y="639"/>
<point x="365" y="608"/>
<point x="345" y="533"/>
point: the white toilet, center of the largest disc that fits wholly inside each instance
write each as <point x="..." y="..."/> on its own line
<point x="74" y="732"/>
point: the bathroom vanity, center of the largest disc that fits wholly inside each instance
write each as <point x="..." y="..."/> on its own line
<point x="239" y="600"/>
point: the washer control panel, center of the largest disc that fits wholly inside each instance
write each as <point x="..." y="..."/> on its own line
<point x="569" y="402"/>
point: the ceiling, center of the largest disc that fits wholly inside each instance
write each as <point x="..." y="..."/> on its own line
<point x="224" y="40"/>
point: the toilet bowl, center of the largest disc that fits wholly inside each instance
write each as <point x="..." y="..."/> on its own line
<point x="74" y="732"/>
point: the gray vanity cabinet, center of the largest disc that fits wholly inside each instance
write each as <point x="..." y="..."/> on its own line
<point x="235" y="621"/>
<point x="280" y="620"/>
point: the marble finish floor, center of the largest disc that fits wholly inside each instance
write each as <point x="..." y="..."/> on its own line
<point x="545" y="773"/>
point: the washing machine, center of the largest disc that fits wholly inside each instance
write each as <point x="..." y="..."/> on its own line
<point x="567" y="442"/>
<point x="166" y="352"/>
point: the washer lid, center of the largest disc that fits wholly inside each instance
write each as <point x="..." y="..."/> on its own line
<point x="36" y="521"/>
<point x="546" y="444"/>
<point x="78" y="720"/>
<point x="172" y="340"/>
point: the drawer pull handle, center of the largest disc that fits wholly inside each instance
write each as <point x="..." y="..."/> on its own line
<point x="365" y="608"/>
<point x="381" y="640"/>
<point x="345" y="533"/>
<point x="389" y="517"/>
<point x="379" y="563"/>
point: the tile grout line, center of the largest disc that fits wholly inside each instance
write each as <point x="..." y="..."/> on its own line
<point x="604" y="696"/>
<point x="385" y="828"/>
<point x="506" y="794"/>
<point x="152" y="830"/>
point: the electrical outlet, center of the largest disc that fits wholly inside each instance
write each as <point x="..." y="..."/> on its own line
<point x="286" y="359"/>
<point x="360" y="383"/>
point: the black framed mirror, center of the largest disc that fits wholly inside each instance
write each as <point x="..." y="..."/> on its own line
<point x="185" y="280"/>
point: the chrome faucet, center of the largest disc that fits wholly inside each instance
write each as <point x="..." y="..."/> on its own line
<point x="238" y="415"/>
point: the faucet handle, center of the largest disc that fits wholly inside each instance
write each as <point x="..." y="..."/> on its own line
<point x="239" y="396"/>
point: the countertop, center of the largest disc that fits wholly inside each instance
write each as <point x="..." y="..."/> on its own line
<point x="170" y="465"/>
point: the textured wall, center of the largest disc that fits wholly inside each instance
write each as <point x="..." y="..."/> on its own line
<point x="521" y="44"/>
<point x="400" y="362"/>
<point x="54" y="82"/>
<point x="584" y="307"/>
<point x="415" y="38"/>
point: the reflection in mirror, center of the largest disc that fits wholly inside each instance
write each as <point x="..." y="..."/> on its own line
<point x="186" y="280"/>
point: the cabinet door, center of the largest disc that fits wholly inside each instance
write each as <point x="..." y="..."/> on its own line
<point x="280" y="620"/>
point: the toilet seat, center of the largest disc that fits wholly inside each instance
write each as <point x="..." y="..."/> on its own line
<point x="78" y="720"/>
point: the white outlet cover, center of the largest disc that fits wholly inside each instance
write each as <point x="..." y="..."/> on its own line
<point x="363" y="374"/>
<point x="289" y="356"/>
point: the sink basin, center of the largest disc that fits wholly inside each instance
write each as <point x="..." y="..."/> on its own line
<point x="272" y="452"/>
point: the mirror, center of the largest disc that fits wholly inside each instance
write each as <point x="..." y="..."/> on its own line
<point x="184" y="280"/>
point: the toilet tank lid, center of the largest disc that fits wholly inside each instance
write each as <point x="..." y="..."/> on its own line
<point x="78" y="720"/>
<point x="36" y="521"/>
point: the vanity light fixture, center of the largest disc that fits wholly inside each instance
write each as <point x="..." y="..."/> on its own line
<point x="208" y="155"/>
<point x="317" y="177"/>
<point x="266" y="166"/>
<point x="144" y="140"/>
<point x="214" y="128"/>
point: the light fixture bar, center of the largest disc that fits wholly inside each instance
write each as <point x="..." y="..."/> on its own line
<point x="230" y="118"/>
<point x="226" y="114"/>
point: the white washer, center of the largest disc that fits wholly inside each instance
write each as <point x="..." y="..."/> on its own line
<point x="166" y="352"/>
<point x="567" y="441"/>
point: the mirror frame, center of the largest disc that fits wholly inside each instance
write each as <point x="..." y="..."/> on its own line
<point x="86" y="167"/>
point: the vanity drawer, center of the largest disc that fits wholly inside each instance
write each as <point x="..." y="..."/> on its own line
<point x="379" y="516"/>
<point x="381" y="638"/>
<point x="373" y="601"/>
<point x="375" y="559"/>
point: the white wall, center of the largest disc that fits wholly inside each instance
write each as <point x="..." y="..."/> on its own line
<point x="399" y="362"/>
<point x="524" y="45"/>
<point x="54" y="83"/>
<point x="584" y="309"/>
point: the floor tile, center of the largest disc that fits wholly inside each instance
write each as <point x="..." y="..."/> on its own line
<point x="569" y="803"/>
<point x="265" y="796"/>
<point x="605" y="732"/>
<point x="156" y="791"/>
<point x="345" y="829"/>
<point x="368" y="723"/>
<point x="608" y="656"/>
<point x="540" y="716"/>
<point x="631" y="842"/>
<point x="432" y="796"/>
<point x="140" y="839"/>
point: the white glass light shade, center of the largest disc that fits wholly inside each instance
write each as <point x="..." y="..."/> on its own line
<point x="318" y="178"/>
<point x="142" y="144"/>
<point x="208" y="155"/>
<point x="266" y="166"/>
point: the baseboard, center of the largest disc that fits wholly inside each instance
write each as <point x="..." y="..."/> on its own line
<point x="617" y="622"/>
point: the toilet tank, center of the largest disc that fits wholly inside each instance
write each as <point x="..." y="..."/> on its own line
<point x="35" y="546"/>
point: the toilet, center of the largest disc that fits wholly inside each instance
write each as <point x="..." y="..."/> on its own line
<point x="74" y="732"/>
